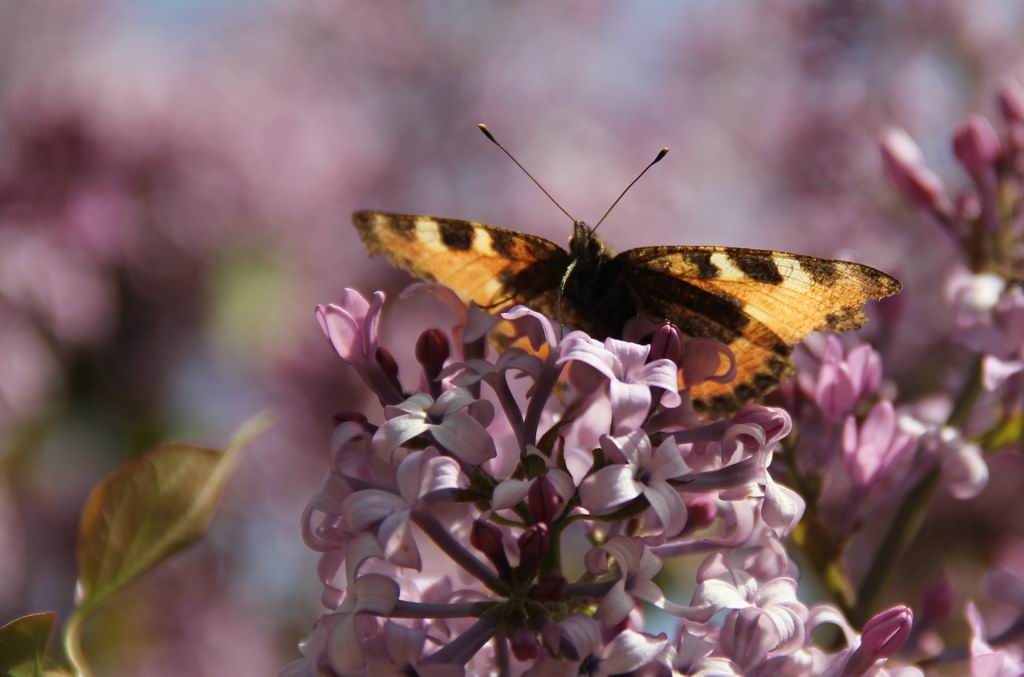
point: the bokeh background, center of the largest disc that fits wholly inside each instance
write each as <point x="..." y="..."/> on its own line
<point x="176" y="180"/>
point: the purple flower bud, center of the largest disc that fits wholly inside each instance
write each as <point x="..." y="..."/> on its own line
<point x="882" y="637"/>
<point x="701" y="511"/>
<point x="904" y="166"/>
<point x="936" y="603"/>
<point x="389" y="365"/>
<point x="533" y="546"/>
<point x="543" y="501"/>
<point x="666" y="343"/>
<point x="349" y="416"/>
<point x="968" y="206"/>
<point x="885" y="633"/>
<point x="432" y="350"/>
<point x="487" y="538"/>
<point x="1011" y="102"/>
<point x="551" y="586"/>
<point x="1011" y="99"/>
<point x="976" y="145"/>
<point x="525" y="646"/>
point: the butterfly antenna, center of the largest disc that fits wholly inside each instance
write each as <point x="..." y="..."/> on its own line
<point x="487" y="133"/>
<point x="661" y="154"/>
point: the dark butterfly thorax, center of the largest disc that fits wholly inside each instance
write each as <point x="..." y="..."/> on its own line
<point x="596" y="286"/>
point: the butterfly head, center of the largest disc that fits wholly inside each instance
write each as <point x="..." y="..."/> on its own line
<point x="585" y="246"/>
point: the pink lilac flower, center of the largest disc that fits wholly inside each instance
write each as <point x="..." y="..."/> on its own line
<point x="905" y="166"/>
<point x="635" y="566"/>
<point x="843" y="380"/>
<point x="630" y="376"/>
<point x="418" y="476"/>
<point x="370" y="595"/>
<point x="985" y="660"/>
<point x="455" y="420"/>
<point x="990" y="320"/>
<point x="638" y="471"/>
<point x="873" y="447"/>
<point x="352" y="327"/>
<point x="423" y="473"/>
<point x="881" y="638"/>
<point x="576" y="647"/>
<point x="397" y="652"/>
<point x="721" y="586"/>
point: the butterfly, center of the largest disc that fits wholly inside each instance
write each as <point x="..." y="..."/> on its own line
<point x="760" y="303"/>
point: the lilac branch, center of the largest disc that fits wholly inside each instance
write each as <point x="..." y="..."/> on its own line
<point x="454" y="549"/>
<point x="502" y="657"/>
<point x="499" y="384"/>
<point x="404" y="609"/>
<point x="541" y="392"/>
<point x="593" y="590"/>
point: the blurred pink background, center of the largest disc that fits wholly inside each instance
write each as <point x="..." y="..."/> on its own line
<point x="176" y="180"/>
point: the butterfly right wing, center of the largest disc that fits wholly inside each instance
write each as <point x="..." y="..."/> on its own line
<point x="491" y="266"/>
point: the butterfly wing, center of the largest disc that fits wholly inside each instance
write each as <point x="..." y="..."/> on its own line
<point x="760" y="303"/>
<point x="495" y="267"/>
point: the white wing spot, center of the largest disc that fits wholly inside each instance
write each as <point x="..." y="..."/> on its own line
<point x="727" y="270"/>
<point x="483" y="244"/>
<point x="429" y="234"/>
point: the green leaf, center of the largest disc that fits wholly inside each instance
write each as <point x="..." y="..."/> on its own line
<point x="23" y="644"/>
<point x="1008" y="433"/>
<point x="150" y="508"/>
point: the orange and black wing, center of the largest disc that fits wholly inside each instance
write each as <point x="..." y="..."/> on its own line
<point x="760" y="303"/>
<point x="495" y="267"/>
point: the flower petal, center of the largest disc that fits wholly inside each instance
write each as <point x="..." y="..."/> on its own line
<point x="667" y="505"/>
<point x="965" y="472"/>
<point x="535" y="326"/>
<point x="365" y="507"/>
<point x="508" y="493"/>
<point x="463" y="435"/>
<point x="396" y="432"/>
<point x="609" y="488"/>
<point x="403" y="644"/>
<point x="343" y="331"/>
<point x="397" y="542"/>
<point x="782" y="507"/>
<point x="630" y="404"/>
<point x="376" y="594"/>
<point x="631" y="650"/>
<point x="615" y="606"/>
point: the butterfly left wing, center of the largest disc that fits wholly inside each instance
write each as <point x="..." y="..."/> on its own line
<point x="495" y="267"/>
<point x="758" y="302"/>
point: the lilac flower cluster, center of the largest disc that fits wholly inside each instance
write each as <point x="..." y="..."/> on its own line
<point x="520" y="529"/>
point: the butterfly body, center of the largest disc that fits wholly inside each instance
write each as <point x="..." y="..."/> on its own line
<point x="760" y="303"/>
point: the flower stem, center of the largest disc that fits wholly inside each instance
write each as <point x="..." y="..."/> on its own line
<point x="465" y="646"/>
<point x="511" y="408"/>
<point x="73" y="644"/>
<point x="406" y="609"/>
<point x="454" y="549"/>
<point x="541" y="392"/>
<point x="501" y="656"/>
<point x="595" y="590"/>
<point x="911" y="514"/>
